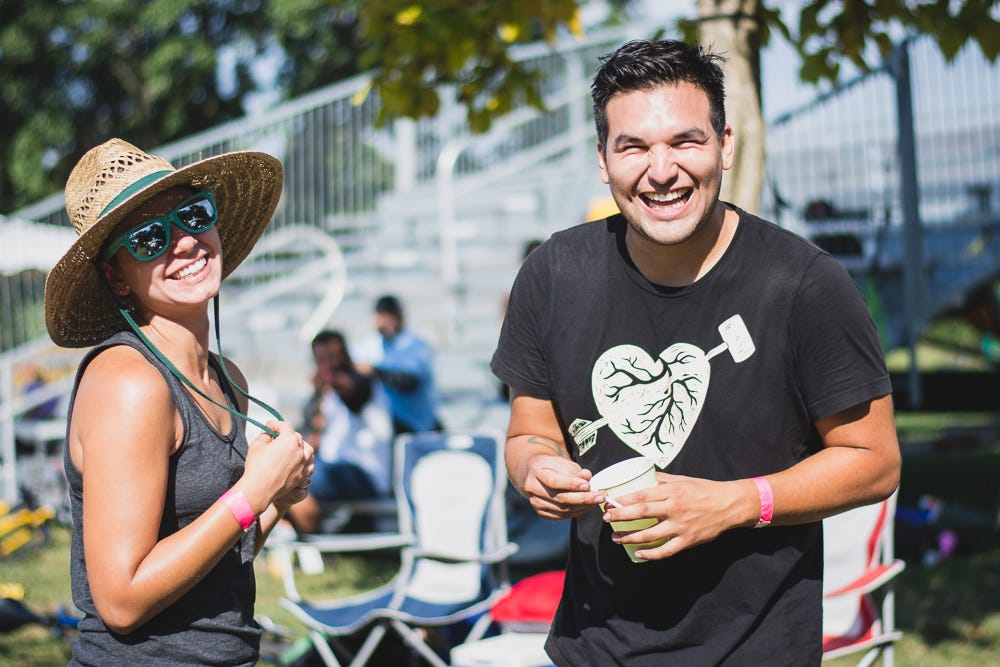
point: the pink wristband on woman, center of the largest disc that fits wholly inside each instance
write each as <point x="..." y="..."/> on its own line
<point x="240" y="507"/>
<point x="766" y="501"/>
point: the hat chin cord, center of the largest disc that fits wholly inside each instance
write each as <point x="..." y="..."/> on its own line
<point x="180" y="376"/>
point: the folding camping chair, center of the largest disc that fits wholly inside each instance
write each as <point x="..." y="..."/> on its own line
<point x="450" y="492"/>
<point x="859" y="567"/>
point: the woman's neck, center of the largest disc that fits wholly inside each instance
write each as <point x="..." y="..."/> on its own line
<point x="185" y="344"/>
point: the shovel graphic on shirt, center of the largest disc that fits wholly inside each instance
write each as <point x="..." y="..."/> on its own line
<point x="652" y="404"/>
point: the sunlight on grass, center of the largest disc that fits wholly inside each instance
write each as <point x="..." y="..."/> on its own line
<point x="947" y="344"/>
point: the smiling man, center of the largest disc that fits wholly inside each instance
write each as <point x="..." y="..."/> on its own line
<point x="738" y="358"/>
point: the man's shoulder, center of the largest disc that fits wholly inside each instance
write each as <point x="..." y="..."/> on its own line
<point x="411" y="337"/>
<point x="577" y="248"/>
<point x="778" y="240"/>
<point x="411" y="342"/>
<point x="595" y="231"/>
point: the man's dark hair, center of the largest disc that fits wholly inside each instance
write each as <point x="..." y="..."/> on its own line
<point x="643" y="65"/>
<point x="328" y="335"/>
<point x="389" y="305"/>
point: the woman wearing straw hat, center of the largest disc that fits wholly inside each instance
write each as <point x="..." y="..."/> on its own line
<point x="169" y="502"/>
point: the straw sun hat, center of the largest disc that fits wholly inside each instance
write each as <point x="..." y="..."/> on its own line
<point x="112" y="180"/>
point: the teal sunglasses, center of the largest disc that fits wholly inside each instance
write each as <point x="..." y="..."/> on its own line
<point x="150" y="239"/>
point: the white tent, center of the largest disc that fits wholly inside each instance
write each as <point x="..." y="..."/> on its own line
<point x="31" y="245"/>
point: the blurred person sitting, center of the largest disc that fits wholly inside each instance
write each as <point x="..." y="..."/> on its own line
<point x="403" y="363"/>
<point x="347" y="421"/>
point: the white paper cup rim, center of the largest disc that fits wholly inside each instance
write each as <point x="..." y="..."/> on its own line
<point x="620" y="473"/>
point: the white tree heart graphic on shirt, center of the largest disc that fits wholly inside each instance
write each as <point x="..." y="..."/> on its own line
<point x="651" y="404"/>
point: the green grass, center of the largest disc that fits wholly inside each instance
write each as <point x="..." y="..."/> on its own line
<point x="949" y="343"/>
<point x="344" y="575"/>
<point x="952" y="456"/>
<point x="950" y="613"/>
<point x="43" y="573"/>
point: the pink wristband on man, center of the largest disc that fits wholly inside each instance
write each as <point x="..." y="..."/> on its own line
<point x="766" y="501"/>
<point x="240" y="507"/>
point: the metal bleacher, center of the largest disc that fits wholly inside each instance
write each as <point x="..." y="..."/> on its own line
<point x="837" y="172"/>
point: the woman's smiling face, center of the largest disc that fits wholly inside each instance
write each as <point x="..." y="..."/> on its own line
<point x="190" y="269"/>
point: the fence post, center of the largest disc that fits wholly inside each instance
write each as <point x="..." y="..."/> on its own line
<point x="8" y="450"/>
<point x="913" y="262"/>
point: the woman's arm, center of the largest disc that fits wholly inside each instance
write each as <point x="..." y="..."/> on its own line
<point x="276" y="510"/>
<point x="124" y="429"/>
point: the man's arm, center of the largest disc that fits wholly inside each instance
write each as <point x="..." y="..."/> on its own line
<point x="539" y="465"/>
<point x="402" y="381"/>
<point x="354" y="389"/>
<point x="859" y="464"/>
<point x="404" y="369"/>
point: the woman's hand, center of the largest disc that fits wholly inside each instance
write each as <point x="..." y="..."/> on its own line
<point x="278" y="470"/>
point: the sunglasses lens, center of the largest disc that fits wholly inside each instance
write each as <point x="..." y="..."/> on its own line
<point x="197" y="215"/>
<point x="149" y="240"/>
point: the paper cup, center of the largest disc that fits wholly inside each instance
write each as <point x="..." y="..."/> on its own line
<point x="620" y="479"/>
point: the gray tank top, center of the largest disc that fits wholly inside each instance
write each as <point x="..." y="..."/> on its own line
<point x="213" y="623"/>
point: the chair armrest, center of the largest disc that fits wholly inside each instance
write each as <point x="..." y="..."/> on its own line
<point x="496" y="556"/>
<point x="310" y="550"/>
<point x="347" y="543"/>
<point x="873" y="578"/>
<point x="501" y="554"/>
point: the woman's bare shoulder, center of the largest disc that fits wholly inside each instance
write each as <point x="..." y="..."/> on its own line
<point x="124" y="404"/>
<point x="122" y="376"/>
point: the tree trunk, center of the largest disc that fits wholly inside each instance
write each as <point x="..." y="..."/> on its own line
<point x="731" y="29"/>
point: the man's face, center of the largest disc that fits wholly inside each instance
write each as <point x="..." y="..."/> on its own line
<point x="329" y="357"/>
<point x="664" y="162"/>
<point x="388" y="325"/>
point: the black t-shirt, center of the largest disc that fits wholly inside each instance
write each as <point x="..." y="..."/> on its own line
<point x="723" y="380"/>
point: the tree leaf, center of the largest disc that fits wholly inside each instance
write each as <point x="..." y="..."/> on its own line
<point x="409" y="15"/>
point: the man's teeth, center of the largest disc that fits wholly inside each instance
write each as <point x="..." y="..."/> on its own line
<point x="667" y="197"/>
<point x="191" y="270"/>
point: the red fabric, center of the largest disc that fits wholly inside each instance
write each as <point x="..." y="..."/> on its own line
<point x="864" y="631"/>
<point x="862" y="582"/>
<point x="533" y="599"/>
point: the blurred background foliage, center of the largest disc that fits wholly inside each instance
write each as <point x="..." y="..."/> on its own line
<point x="75" y="72"/>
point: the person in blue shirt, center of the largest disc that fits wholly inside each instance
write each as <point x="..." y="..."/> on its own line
<point x="404" y="364"/>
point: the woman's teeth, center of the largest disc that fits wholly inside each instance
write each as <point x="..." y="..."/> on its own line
<point x="189" y="271"/>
